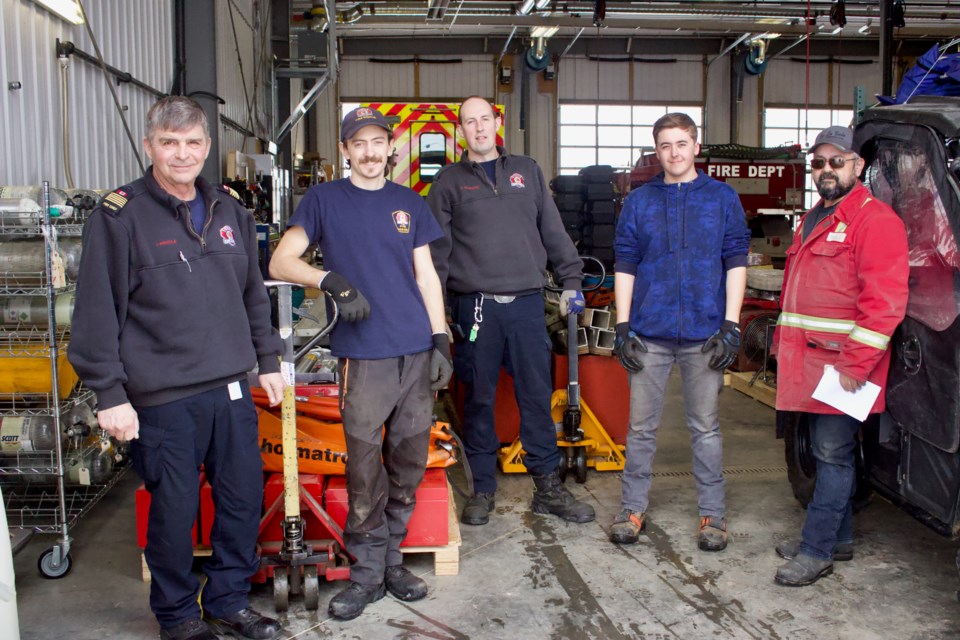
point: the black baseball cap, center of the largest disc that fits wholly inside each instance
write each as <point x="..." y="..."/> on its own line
<point x="360" y="118"/>
<point x="840" y="137"/>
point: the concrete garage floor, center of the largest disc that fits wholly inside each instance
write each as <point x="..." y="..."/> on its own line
<point x="528" y="576"/>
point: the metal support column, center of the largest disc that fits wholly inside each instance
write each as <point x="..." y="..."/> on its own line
<point x="196" y="39"/>
<point x="886" y="47"/>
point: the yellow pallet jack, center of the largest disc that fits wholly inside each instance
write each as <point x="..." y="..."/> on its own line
<point x="296" y="567"/>
<point x="583" y="440"/>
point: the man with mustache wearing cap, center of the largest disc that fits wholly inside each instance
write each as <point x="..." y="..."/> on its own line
<point x="392" y="343"/>
<point x="844" y="293"/>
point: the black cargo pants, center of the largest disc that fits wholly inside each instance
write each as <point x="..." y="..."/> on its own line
<point x="384" y="468"/>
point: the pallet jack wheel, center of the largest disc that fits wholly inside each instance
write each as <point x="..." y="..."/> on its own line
<point x="580" y="464"/>
<point x="281" y="589"/>
<point x="311" y="588"/>
<point x="295" y="581"/>
<point x="562" y="468"/>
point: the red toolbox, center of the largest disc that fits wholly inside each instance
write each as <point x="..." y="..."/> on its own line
<point x="143" y="514"/>
<point x="429" y="524"/>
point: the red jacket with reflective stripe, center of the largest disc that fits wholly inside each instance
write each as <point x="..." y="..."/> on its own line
<point x="844" y="293"/>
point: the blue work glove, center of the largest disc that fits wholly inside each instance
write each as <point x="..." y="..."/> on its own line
<point x="571" y="301"/>
<point x="725" y="344"/>
<point x="627" y="347"/>
<point x="353" y="306"/>
<point x="441" y="362"/>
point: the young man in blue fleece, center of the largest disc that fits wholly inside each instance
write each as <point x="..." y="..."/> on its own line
<point x="681" y="257"/>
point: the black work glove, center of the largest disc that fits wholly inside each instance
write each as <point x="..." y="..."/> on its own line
<point x="353" y="306"/>
<point x="627" y="347"/>
<point x="725" y="344"/>
<point x="441" y="363"/>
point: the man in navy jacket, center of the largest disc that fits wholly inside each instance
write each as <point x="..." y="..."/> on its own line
<point x="681" y="256"/>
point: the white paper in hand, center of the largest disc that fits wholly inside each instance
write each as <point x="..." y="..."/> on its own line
<point x="856" y="404"/>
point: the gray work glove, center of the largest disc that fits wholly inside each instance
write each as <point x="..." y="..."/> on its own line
<point x="627" y="347"/>
<point x="441" y="363"/>
<point x="353" y="306"/>
<point x="725" y="344"/>
<point x="571" y="301"/>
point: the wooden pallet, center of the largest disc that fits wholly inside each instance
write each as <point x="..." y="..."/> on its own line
<point x="446" y="558"/>
<point x="760" y="391"/>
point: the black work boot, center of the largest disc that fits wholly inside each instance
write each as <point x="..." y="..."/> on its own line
<point x="349" y="603"/>
<point x="189" y="630"/>
<point x="842" y="551"/>
<point x="403" y="585"/>
<point x="246" y="623"/>
<point x="803" y="570"/>
<point x="478" y="508"/>
<point x="550" y="496"/>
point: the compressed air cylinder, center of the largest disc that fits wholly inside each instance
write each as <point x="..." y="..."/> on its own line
<point x="26" y="311"/>
<point x="27" y="433"/>
<point x="22" y="263"/>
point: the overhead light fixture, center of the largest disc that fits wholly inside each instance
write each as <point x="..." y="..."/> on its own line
<point x="529" y="5"/>
<point x="69" y="10"/>
<point x="437" y="9"/>
<point x="543" y="32"/>
<point x="865" y="29"/>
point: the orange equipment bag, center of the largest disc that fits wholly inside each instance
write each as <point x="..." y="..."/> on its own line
<point x="321" y="445"/>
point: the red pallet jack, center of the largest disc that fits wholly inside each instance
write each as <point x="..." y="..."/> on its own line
<point x="296" y="566"/>
<point x="582" y="439"/>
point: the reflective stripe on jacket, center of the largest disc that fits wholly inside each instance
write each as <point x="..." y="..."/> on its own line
<point x="844" y="293"/>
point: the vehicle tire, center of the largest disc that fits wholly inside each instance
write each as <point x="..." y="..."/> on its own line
<point x="802" y="466"/>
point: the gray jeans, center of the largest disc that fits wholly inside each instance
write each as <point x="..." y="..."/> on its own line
<point x="701" y="386"/>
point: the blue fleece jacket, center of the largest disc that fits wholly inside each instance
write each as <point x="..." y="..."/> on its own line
<point x="679" y="241"/>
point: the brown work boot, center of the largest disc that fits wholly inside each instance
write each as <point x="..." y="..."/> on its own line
<point x="842" y="551"/>
<point x="712" y="534"/>
<point x="627" y="526"/>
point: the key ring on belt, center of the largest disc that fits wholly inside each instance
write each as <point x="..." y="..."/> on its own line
<point x="477" y="317"/>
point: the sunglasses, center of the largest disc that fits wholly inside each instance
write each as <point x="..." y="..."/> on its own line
<point x="836" y="162"/>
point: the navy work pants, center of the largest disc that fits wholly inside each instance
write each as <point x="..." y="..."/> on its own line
<point x="513" y="335"/>
<point x="175" y="439"/>
<point x="830" y="512"/>
<point x="384" y="468"/>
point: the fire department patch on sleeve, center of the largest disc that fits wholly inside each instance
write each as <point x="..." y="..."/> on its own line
<point x="115" y="200"/>
<point x="401" y="220"/>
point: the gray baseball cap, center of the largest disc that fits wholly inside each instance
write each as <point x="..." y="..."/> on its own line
<point x="840" y="137"/>
<point x="360" y="118"/>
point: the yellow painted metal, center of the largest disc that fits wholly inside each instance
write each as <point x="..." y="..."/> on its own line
<point x="603" y="454"/>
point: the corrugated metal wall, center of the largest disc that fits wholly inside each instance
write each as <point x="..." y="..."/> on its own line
<point x="434" y="77"/>
<point x="238" y="49"/>
<point x="831" y="83"/>
<point x="134" y="35"/>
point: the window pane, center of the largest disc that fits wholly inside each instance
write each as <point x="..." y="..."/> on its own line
<point x="578" y="114"/>
<point x="615" y="157"/>
<point x="614" y="136"/>
<point x="816" y="119"/>
<point x="578" y="135"/>
<point x="779" y="137"/>
<point x="643" y="136"/>
<point x="780" y="117"/>
<point x="647" y="115"/>
<point x="843" y="117"/>
<point x="695" y="113"/>
<point x="613" y="114"/>
<point x="577" y="156"/>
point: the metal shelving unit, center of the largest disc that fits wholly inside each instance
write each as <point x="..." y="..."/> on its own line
<point x="47" y="490"/>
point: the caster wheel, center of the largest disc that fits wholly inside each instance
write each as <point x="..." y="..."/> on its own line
<point x="281" y="589"/>
<point x="580" y="465"/>
<point x="311" y="588"/>
<point x="564" y="465"/>
<point x="50" y="570"/>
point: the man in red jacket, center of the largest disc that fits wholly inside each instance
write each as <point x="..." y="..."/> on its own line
<point x="844" y="293"/>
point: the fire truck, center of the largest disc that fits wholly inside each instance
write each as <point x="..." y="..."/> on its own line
<point x="425" y="140"/>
